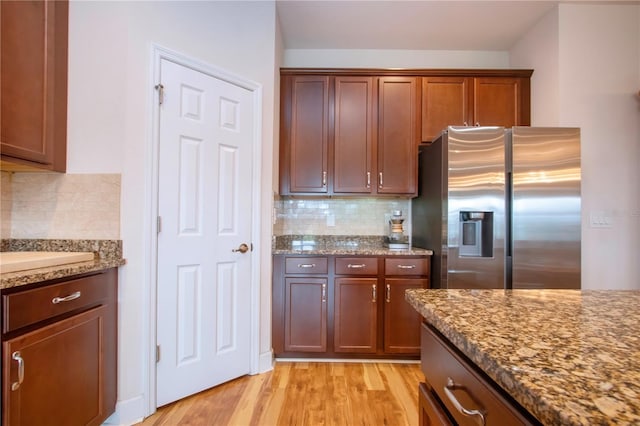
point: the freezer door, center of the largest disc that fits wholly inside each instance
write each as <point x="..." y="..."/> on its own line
<point x="476" y="207"/>
<point x="546" y="207"/>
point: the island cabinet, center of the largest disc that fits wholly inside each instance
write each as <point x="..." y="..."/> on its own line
<point x="496" y="98"/>
<point x="458" y="393"/>
<point x="346" y="306"/>
<point x="33" y="91"/>
<point x="59" y="351"/>
<point x="348" y="134"/>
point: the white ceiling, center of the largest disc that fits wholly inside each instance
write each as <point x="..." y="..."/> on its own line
<point x="400" y="24"/>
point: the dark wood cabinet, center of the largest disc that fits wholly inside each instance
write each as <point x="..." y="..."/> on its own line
<point x="401" y="321"/>
<point x="33" y="105"/>
<point x="456" y="389"/>
<point x="353" y="136"/>
<point x="346" y="306"/>
<point x="496" y="99"/>
<point x="304" y="153"/>
<point x="398" y="135"/>
<point x="356" y="315"/>
<point x="348" y="134"/>
<point x="305" y="325"/>
<point x="60" y="368"/>
<point x="431" y="411"/>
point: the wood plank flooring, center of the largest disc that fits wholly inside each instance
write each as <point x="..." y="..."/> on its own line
<point x="305" y="393"/>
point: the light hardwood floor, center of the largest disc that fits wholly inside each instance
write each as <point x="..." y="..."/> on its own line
<point x="305" y="393"/>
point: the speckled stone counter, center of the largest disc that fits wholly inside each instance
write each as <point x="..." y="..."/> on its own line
<point x="107" y="254"/>
<point x="569" y="357"/>
<point x="339" y="245"/>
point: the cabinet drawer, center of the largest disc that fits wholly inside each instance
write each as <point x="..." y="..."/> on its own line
<point x="31" y="306"/>
<point x="306" y="265"/>
<point x="442" y="367"/>
<point x="403" y="266"/>
<point x="356" y="266"/>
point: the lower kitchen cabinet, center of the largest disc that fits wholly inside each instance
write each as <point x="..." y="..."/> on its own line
<point x="346" y="306"/>
<point x="305" y="326"/>
<point x="401" y="321"/>
<point x="59" y="357"/>
<point x="356" y="315"/>
<point x="456" y="392"/>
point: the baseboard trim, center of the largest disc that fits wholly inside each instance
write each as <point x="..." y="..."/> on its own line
<point x="368" y="361"/>
<point x="128" y="412"/>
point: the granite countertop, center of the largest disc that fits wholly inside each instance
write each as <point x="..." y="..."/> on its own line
<point x="107" y="254"/>
<point x="340" y="245"/>
<point x="569" y="357"/>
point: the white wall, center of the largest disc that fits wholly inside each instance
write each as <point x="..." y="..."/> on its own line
<point x="595" y="83"/>
<point x="367" y="58"/>
<point x="110" y="95"/>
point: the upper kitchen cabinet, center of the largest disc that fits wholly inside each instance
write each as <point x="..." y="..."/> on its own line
<point x="33" y="84"/>
<point x="475" y="97"/>
<point x="353" y="135"/>
<point x="348" y="134"/>
<point x="398" y="135"/>
<point x="304" y="130"/>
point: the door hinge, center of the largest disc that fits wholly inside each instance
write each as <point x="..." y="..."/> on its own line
<point x="158" y="224"/>
<point x="157" y="354"/>
<point x="160" y="89"/>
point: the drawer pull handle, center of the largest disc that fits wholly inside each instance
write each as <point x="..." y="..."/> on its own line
<point x="450" y="386"/>
<point x="406" y="266"/>
<point x="18" y="357"/>
<point x="306" y="265"/>
<point x="374" y="293"/>
<point x="72" y="296"/>
<point x="356" y="266"/>
<point x="388" y="295"/>
<point x="324" y="293"/>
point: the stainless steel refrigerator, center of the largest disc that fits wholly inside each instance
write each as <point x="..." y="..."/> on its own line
<point x="500" y="208"/>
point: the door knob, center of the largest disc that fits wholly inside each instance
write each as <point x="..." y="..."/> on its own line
<point x="243" y="248"/>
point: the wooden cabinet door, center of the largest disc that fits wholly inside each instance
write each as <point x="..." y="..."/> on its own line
<point x="446" y="101"/>
<point x="398" y="134"/>
<point x="353" y="135"/>
<point x="497" y="101"/>
<point x="355" y="315"/>
<point x="401" y="321"/>
<point x="305" y="322"/>
<point x="431" y="411"/>
<point x="33" y="96"/>
<point x="304" y="150"/>
<point x="55" y="374"/>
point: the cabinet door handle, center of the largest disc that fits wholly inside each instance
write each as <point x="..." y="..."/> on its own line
<point x="324" y="178"/>
<point x="368" y="179"/>
<point x="18" y="357"/>
<point x="374" y="293"/>
<point x="356" y="265"/>
<point x="388" y="293"/>
<point x="306" y="265"/>
<point x="406" y="266"/>
<point x="450" y="386"/>
<point x="324" y="293"/>
<point x="380" y="184"/>
<point x="72" y="296"/>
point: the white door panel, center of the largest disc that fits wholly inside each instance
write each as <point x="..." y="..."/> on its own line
<point x="205" y="157"/>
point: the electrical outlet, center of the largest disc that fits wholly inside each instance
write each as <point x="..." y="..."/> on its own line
<point x="331" y="220"/>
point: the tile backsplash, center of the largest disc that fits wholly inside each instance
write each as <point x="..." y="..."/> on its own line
<point x="60" y="206"/>
<point x="337" y="216"/>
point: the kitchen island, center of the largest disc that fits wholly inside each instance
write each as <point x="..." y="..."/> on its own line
<point x="566" y="357"/>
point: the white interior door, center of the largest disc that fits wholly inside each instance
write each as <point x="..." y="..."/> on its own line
<point x="204" y="204"/>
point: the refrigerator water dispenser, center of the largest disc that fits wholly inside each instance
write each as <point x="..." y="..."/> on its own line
<point x="476" y="234"/>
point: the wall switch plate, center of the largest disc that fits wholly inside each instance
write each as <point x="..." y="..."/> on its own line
<point x="331" y="220"/>
<point x="601" y="220"/>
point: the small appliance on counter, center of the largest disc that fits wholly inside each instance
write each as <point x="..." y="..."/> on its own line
<point x="396" y="240"/>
